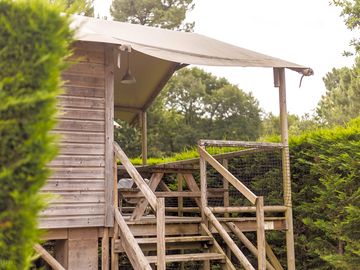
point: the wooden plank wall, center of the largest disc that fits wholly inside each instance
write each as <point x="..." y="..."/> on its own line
<point x="78" y="179"/>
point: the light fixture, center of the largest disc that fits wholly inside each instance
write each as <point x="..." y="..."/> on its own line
<point x="128" y="78"/>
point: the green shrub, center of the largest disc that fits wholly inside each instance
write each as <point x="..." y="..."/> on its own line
<point x="325" y="167"/>
<point x="34" y="40"/>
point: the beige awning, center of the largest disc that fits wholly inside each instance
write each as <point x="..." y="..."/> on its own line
<point x="157" y="53"/>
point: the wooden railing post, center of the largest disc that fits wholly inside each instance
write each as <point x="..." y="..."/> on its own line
<point x="260" y="233"/>
<point x="160" y="227"/>
<point x="203" y="186"/>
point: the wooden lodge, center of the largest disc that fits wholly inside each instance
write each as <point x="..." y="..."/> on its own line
<point x="117" y="70"/>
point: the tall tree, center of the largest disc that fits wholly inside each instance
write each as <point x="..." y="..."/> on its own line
<point x="342" y="99"/>
<point x="83" y="7"/>
<point x="169" y="14"/>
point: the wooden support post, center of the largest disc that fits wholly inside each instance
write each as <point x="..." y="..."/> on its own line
<point x="109" y="134"/>
<point x="115" y="236"/>
<point x="247" y="242"/>
<point x="286" y="171"/>
<point x="144" y="147"/>
<point x="160" y="227"/>
<point x="260" y="232"/>
<point x="203" y="186"/>
<point x="61" y="250"/>
<point x="105" y="250"/>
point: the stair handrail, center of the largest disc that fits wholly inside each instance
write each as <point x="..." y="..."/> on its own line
<point x="157" y="204"/>
<point x="258" y="201"/>
<point x="135" y="175"/>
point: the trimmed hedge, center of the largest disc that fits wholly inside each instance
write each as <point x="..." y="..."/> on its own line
<point x="34" y="41"/>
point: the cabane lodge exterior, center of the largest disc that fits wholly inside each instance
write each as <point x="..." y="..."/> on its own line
<point x="118" y="70"/>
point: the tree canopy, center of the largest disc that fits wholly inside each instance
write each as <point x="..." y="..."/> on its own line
<point x="169" y="14"/>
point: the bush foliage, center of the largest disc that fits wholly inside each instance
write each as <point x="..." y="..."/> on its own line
<point x="34" y="42"/>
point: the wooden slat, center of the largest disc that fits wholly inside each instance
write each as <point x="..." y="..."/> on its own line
<point x="81" y="149"/>
<point x="133" y="251"/>
<point x="74" y="209"/>
<point x="71" y="185"/>
<point x="109" y="135"/>
<point x="77" y="172"/>
<point x="71" y="222"/>
<point x="176" y="239"/>
<point x="189" y="257"/>
<point x="234" y="248"/>
<point x="81" y="102"/>
<point x="89" y="46"/>
<point x="48" y="258"/>
<point x="77" y="161"/>
<point x="228" y="176"/>
<point x="78" y="197"/>
<point x="81" y="114"/>
<point x="83" y="80"/>
<point x="161" y="194"/>
<point x="80" y="125"/>
<point x="85" y="68"/>
<point x="80" y="137"/>
<point x="171" y="229"/>
<point x="78" y="91"/>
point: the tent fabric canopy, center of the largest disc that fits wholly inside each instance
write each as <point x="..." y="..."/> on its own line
<point x="157" y="53"/>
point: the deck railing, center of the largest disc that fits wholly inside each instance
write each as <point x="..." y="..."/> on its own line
<point x="257" y="201"/>
<point x="158" y="206"/>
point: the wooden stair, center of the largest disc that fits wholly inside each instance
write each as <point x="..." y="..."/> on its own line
<point x="190" y="257"/>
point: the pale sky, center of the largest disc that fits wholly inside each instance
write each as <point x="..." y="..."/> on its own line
<point x="307" y="32"/>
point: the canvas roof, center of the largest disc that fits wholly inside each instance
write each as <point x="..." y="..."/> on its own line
<point x="158" y="53"/>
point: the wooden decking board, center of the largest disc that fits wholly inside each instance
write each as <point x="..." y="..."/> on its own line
<point x="189" y="257"/>
<point x="176" y="239"/>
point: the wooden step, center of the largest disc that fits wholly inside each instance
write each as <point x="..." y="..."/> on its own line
<point x="189" y="257"/>
<point x="177" y="239"/>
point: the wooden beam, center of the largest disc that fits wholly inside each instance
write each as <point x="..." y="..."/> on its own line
<point x="144" y="146"/>
<point x="234" y="248"/>
<point x="247" y="209"/>
<point x="143" y="203"/>
<point x="131" y="247"/>
<point x="115" y="256"/>
<point x="228" y="176"/>
<point x="260" y="233"/>
<point x="160" y="228"/>
<point x="275" y="262"/>
<point x="191" y="183"/>
<point x="286" y="171"/>
<point x="145" y="189"/>
<point x="109" y="134"/>
<point x="247" y="242"/>
<point x="223" y="143"/>
<point x="48" y="258"/>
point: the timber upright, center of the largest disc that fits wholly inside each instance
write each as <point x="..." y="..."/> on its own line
<point x="117" y="71"/>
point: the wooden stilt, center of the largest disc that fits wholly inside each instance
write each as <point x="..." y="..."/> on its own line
<point x="160" y="227"/>
<point x="105" y="250"/>
<point x="286" y="170"/>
